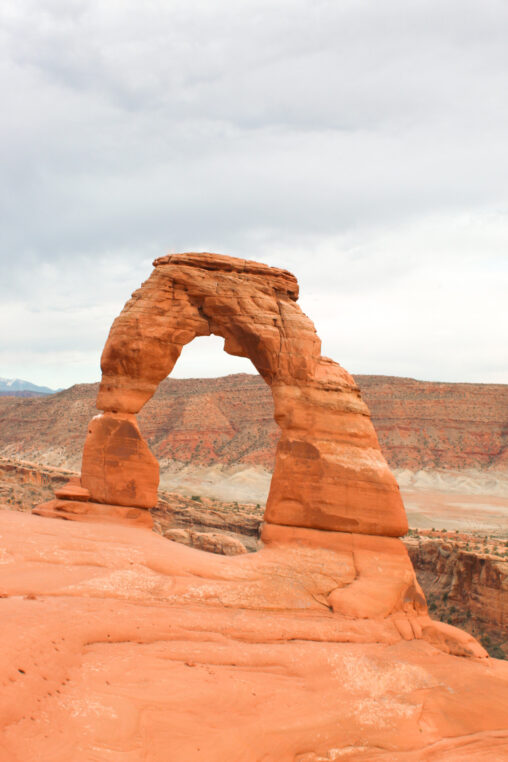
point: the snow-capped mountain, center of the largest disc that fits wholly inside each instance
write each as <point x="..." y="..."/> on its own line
<point x="18" y="385"/>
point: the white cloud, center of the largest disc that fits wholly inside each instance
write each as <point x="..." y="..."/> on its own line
<point x="361" y="145"/>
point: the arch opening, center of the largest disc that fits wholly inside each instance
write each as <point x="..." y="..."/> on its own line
<point x="211" y="426"/>
<point x="205" y="357"/>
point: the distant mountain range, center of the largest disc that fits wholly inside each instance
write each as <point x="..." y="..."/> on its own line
<point x="18" y="388"/>
<point x="228" y="422"/>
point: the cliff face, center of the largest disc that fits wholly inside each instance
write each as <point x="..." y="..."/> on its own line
<point x="423" y="425"/>
<point x="229" y="420"/>
<point x="465" y="581"/>
<point x="24" y="484"/>
<point x="47" y="430"/>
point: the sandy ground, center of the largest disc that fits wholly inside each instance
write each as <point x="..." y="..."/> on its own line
<point x="244" y="484"/>
<point x="468" y="513"/>
<point x="470" y="501"/>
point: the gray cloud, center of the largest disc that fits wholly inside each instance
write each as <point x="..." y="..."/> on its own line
<point x="362" y="145"/>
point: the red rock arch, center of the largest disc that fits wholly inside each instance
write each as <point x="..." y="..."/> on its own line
<point x="329" y="472"/>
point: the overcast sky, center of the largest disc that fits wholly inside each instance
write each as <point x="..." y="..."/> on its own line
<point x="361" y="145"/>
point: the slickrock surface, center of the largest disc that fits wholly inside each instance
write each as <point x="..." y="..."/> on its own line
<point x="465" y="582"/>
<point x="329" y="470"/>
<point x="118" y="644"/>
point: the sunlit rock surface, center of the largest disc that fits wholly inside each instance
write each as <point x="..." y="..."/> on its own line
<point x="119" y="644"/>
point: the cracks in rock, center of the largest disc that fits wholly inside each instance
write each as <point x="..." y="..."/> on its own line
<point x="321" y="599"/>
<point x="199" y="308"/>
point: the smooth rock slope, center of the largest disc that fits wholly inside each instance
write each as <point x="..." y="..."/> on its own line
<point x="117" y="644"/>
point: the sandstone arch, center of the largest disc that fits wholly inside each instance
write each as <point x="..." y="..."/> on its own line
<point x="329" y="473"/>
<point x="334" y="510"/>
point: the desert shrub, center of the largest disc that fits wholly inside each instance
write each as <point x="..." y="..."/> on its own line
<point x="497" y="652"/>
<point x="196" y="498"/>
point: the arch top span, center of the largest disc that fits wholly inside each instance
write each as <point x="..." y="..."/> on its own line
<point x="250" y="305"/>
<point x="329" y="471"/>
<point x="282" y="280"/>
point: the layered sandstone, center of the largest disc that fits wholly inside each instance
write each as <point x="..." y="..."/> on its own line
<point x="329" y="471"/>
<point x="118" y="465"/>
<point x="466" y="582"/>
<point x="228" y="422"/>
<point x="22" y="484"/>
<point x="423" y="425"/>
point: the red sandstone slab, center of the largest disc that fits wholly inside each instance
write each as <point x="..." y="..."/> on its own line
<point x="145" y="650"/>
<point x="78" y="510"/>
<point x="73" y="491"/>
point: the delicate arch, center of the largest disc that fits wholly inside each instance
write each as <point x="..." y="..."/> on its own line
<point x="329" y="471"/>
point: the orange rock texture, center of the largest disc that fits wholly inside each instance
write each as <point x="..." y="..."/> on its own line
<point x="119" y="644"/>
<point x="329" y="471"/>
<point x="118" y="465"/>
